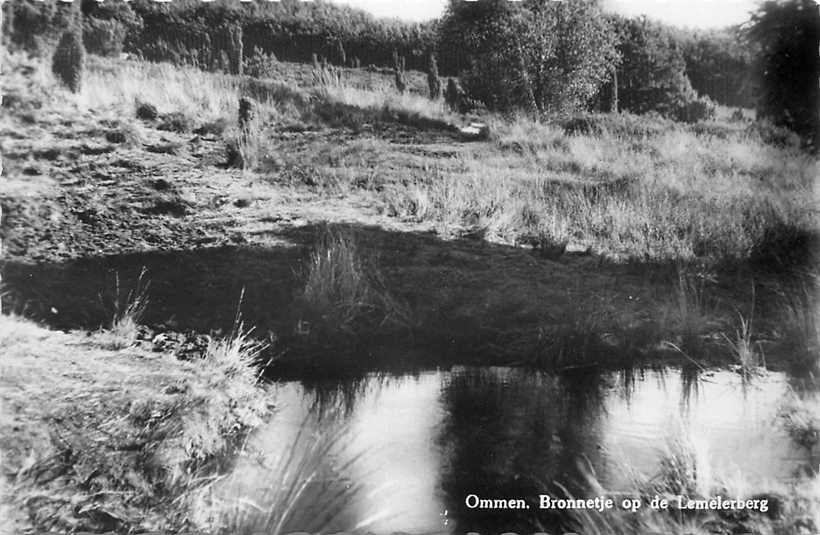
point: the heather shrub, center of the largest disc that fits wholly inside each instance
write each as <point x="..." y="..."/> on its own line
<point x="398" y="69"/>
<point x="260" y="64"/>
<point x="146" y="111"/>
<point x="341" y="56"/>
<point x="69" y="58"/>
<point x="433" y="81"/>
<point x="699" y="109"/>
<point x="103" y="37"/>
<point x="453" y="94"/>
<point x="177" y="122"/>
<point x="234" y="50"/>
<point x="242" y="145"/>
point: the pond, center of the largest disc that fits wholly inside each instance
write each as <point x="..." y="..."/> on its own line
<point x="402" y="453"/>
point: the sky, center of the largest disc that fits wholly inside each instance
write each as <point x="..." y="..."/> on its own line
<point x="688" y="13"/>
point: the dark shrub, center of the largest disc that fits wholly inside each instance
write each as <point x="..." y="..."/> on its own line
<point x="176" y="122"/>
<point x="700" y="109"/>
<point x="784" y="247"/>
<point x="620" y="124"/>
<point x="260" y="64"/>
<point x="341" y="56"/>
<point x="146" y="111"/>
<point x="103" y="37"/>
<point x="778" y="136"/>
<point x="398" y="68"/>
<point x="231" y="37"/>
<point x="124" y="135"/>
<point x="453" y="95"/>
<point x="216" y="127"/>
<point x="433" y="81"/>
<point x="69" y="58"/>
<point x="787" y="33"/>
<point x="242" y="147"/>
<point x="652" y="73"/>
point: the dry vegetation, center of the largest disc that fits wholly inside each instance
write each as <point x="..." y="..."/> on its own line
<point x="711" y="196"/>
<point x="101" y="439"/>
<point x="94" y="451"/>
<point x="685" y="470"/>
<point x="629" y="188"/>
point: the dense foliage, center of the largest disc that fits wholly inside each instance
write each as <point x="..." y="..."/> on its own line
<point x="37" y="26"/>
<point x="541" y="55"/>
<point x="291" y="30"/>
<point x="550" y="56"/>
<point x="651" y="74"/>
<point x="69" y="56"/>
<point x="719" y="66"/>
<point x="788" y="34"/>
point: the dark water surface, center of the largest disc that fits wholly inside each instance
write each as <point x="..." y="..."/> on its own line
<point x="388" y="454"/>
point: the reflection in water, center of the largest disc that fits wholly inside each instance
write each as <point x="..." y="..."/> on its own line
<point x="511" y="434"/>
<point x="402" y="453"/>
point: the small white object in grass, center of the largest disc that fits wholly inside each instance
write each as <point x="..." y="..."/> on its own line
<point x="577" y="248"/>
<point x="475" y="131"/>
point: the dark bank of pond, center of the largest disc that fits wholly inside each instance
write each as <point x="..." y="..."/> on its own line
<point x="461" y="301"/>
<point x="403" y="452"/>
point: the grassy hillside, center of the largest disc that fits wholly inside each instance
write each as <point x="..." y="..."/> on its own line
<point x="704" y="200"/>
<point x="362" y="220"/>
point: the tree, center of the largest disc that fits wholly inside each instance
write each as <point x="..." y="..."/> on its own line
<point x="107" y="26"/>
<point x="719" y="65"/>
<point x="541" y="55"/>
<point x="69" y="57"/>
<point x="652" y="73"/>
<point x="787" y="33"/>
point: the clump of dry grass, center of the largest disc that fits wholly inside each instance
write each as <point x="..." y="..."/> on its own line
<point x="746" y="353"/>
<point x="666" y="194"/>
<point x="128" y="310"/>
<point x="104" y="454"/>
<point x="799" y="311"/>
<point x="296" y="492"/>
<point x="242" y="148"/>
<point x="342" y="293"/>
<point x="127" y="134"/>
<point x="687" y="317"/>
<point x="243" y="144"/>
<point x="801" y="421"/>
<point x="687" y="470"/>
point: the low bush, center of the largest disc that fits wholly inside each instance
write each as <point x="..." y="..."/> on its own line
<point x="146" y="111"/>
<point x="242" y="145"/>
<point x="68" y="62"/>
<point x="177" y="121"/>
<point x="103" y="37"/>
<point x="700" y="109"/>
<point x="260" y="64"/>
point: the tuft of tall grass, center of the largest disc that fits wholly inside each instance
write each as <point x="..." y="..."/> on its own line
<point x="242" y="148"/>
<point x="342" y="293"/>
<point x="128" y="310"/>
<point x="799" y="311"/>
<point x="685" y="469"/>
<point x="802" y="422"/>
<point x="336" y="285"/>
<point x="296" y="487"/>
<point x="686" y="317"/>
<point x="746" y="352"/>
